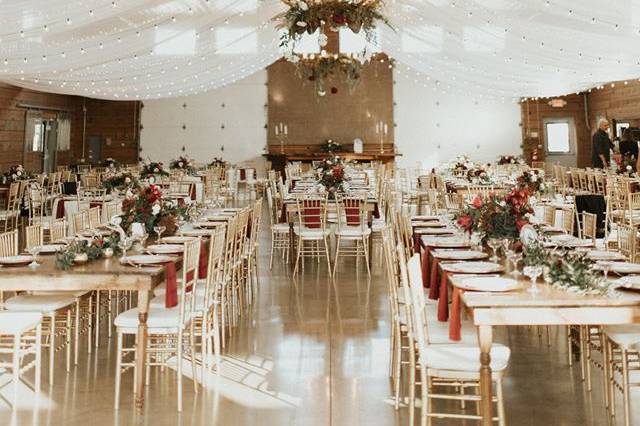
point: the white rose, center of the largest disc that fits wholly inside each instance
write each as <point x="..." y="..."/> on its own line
<point x="502" y="203"/>
<point x="629" y="168"/>
<point x="127" y="180"/>
<point x="542" y="186"/>
<point x="155" y="209"/>
<point x="116" y="220"/>
<point x="302" y="5"/>
<point x="19" y="167"/>
<point x="329" y="162"/>
<point x="14" y="176"/>
<point x="19" y="173"/>
<point x="156" y="170"/>
<point x="534" y="178"/>
<point x="129" y="193"/>
<point x="301" y="24"/>
<point x="512" y="161"/>
<point x="180" y="164"/>
<point x="152" y="180"/>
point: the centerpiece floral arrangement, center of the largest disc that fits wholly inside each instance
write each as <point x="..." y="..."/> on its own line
<point x="477" y="174"/>
<point x="497" y="216"/>
<point x="533" y="180"/>
<point x="16" y="173"/>
<point x="122" y="182"/>
<point x="152" y="169"/>
<point x="627" y="165"/>
<point x="509" y="159"/>
<point x="330" y="146"/>
<point x="332" y="175"/>
<point x="461" y="164"/>
<point x="94" y="249"/>
<point x="148" y="208"/>
<point x="110" y="163"/>
<point x="182" y="163"/>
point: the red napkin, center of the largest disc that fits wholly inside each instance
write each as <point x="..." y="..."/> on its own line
<point x="60" y="209"/>
<point x="425" y="266"/>
<point x="455" y="324"/>
<point x="443" y="299"/>
<point x="433" y="283"/>
<point x="171" y="292"/>
<point x="192" y="191"/>
<point x="352" y="213"/>
<point x="243" y="174"/>
<point x="283" y="214"/>
<point x="203" y="262"/>
<point x="311" y="213"/>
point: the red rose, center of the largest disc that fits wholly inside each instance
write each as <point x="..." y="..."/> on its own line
<point x="520" y="223"/>
<point x="465" y="222"/>
<point x="339" y="19"/>
<point x="477" y="202"/>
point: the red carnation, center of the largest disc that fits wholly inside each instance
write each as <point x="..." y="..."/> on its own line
<point x="339" y="19"/>
<point x="465" y="222"/>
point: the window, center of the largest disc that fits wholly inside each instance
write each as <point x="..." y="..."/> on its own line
<point x="558" y="137"/>
<point x="620" y="126"/>
<point x="37" y="144"/>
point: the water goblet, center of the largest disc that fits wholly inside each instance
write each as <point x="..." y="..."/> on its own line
<point x="533" y="272"/>
<point x="514" y="257"/>
<point x="159" y="229"/>
<point x="605" y="266"/>
<point x="33" y="251"/>
<point x="124" y="243"/>
<point x="494" y="244"/>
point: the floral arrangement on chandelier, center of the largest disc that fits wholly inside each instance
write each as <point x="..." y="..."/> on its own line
<point x="532" y="180"/>
<point x="16" y="173"/>
<point x="626" y="165"/>
<point x="310" y="15"/>
<point x="121" y="182"/>
<point x="183" y="164"/>
<point x="497" y="216"/>
<point x="148" y="208"/>
<point x="217" y="162"/>
<point x="330" y="146"/>
<point x="110" y="163"/>
<point x="319" y="69"/>
<point x="478" y="175"/>
<point x="152" y="169"/>
<point x="332" y="175"/>
<point x="509" y="159"/>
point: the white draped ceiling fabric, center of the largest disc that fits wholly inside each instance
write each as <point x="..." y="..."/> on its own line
<point x="145" y="49"/>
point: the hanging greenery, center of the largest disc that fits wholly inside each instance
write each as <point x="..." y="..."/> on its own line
<point x="319" y="69"/>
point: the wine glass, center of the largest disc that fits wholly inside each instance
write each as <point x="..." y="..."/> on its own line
<point x="494" y="244"/>
<point x="533" y="272"/>
<point x="605" y="266"/>
<point x="124" y="243"/>
<point x="506" y="242"/>
<point x="159" y="229"/>
<point x="514" y="257"/>
<point x="33" y="251"/>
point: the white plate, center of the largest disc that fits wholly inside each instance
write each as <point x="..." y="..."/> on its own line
<point x="16" y="260"/>
<point x="473" y="267"/>
<point x="631" y="282"/>
<point x="176" y="239"/>
<point x="625" y="268"/>
<point x="434" y="231"/>
<point x="424" y="218"/>
<point x="166" y="248"/>
<point x="145" y="259"/>
<point x="432" y="224"/>
<point x="196" y="232"/>
<point x="460" y="254"/>
<point x="207" y="224"/>
<point x="446" y="242"/>
<point x="496" y="284"/>
<point x="604" y="255"/>
<point x="216" y="218"/>
<point x="51" y="248"/>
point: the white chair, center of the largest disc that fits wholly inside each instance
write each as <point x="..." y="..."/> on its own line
<point x="21" y="337"/>
<point x="621" y="355"/>
<point x="166" y="328"/>
<point x="352" y="225"/>
<point x="279" y="231"/>
<point x="311" y="230"/>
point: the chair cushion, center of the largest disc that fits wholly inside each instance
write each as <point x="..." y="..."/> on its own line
<point x="353" y="232"/>
<point x="18" y="322"/>
<point x="158" y="302"/>
<point x="623" y="335"/>
<point x="159" y="317"/>
<point x="39" y="303"/>
<point x="462" y="357"/>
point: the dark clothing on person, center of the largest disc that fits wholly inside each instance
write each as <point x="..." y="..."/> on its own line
<point x="601" y="146"/>
<point x="629" y="147"/>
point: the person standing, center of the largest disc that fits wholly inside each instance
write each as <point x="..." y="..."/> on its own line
<point x="601" y="146"/>
<point x="627" y="145"/>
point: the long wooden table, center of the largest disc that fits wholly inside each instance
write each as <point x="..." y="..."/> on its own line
<point x="549" y="307"/>
<point x="103" y="274"/>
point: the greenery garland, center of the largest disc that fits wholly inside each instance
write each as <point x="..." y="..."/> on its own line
<point x="321" y="68"/>
<point x="94" y="250"/>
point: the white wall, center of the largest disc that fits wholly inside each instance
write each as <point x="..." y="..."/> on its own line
<point x="433" y="128"/>
<point x="243" y="115"/>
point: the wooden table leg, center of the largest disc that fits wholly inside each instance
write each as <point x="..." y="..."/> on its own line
<point x="485" y="337"/>
<point x="141" y="350"/>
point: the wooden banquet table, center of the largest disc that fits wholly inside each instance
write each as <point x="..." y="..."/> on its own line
<point x="101" y="274"/>
<point x="549" y="307"/>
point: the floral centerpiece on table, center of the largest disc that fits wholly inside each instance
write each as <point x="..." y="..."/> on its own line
<point x="461" y="164"/>
<point x="148" y="208"/>
<point x="627" y="165"/>
<point x="332" y="175"/>
<point x="152" y="169"/>
<point x="497" y="216"/>
<point x="532" y="180"/>
<point x="509" y="159"/>
<point x="217" y="162"/>
<point x="16" y="173"/>
<point x="183" y="164"/>
<point x="110" y="163"/>
<point x="94" y="249"/>
<point x="479" y="175"/>
<point x="122" y="182"/>
<point x="330" y="146"/>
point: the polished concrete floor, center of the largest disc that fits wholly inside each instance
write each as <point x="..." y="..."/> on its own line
<point x="311" y="352"/>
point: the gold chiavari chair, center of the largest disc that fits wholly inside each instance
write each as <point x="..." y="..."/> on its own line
<point x="549" y="215"/>
<point x="568" y="220"/>
<point x="167" y="328"/>
<point x="111" y="210"/>
<point x="279" y="231"/>
<point x="94" y="215"/>
<point x="453" y="202"/>
<point x="589" y="226"/>
<point x="34" y="236"/>
<point x="11" y="215"/>
<point x="627" y="241"/>
<point x="632" y="215"/>
<point x="58" y="230"/>
<point x="352" y="225"/>
<point x="80" y="221"/>
<point x="311" y="231"/>
<point x="599" y="183"/>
